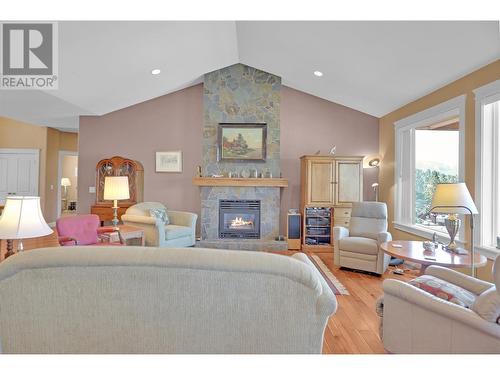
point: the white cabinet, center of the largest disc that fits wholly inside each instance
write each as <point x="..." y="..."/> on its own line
<point x="19" y="169"/>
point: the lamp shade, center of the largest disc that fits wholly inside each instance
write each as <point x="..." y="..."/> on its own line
<point x="116" y="187"/>
<point x="452" y="198"/>
<point x="65" y="181"/>
<point x="22" y="218"/>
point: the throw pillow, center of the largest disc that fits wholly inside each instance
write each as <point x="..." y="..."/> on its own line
<point x="487" y="305"/>
<point x="160" y="213"/>
<point x="444" y="290"/>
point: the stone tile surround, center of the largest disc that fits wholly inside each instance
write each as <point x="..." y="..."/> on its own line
<point x="241" y="94"/>
<point x="269" y="202"/>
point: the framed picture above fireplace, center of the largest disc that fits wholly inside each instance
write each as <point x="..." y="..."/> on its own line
<point x="242" y="142"/>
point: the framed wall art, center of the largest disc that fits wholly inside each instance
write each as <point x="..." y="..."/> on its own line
<point x="242" y="142"/>
<point x="169" y="161"/>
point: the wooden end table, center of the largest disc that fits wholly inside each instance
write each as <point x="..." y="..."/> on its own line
<point x="128" y="232"/>
<point x="414" y="252"/>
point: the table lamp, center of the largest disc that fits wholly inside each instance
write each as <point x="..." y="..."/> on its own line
<point x="22" y="218"/>
<point x="454" y="199"/>
<point x="116" y="188"/>
<point x="65" y="182"/>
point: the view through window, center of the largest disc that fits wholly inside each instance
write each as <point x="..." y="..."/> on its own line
<point x="436" y="161"/>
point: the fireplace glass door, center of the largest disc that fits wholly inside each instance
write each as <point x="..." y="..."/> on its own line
<point x="239" y="219"/>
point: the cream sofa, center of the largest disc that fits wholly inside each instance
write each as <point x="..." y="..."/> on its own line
<point x="415" y="321"/>
<point x="180" y="232"/>
<point x="152" y="300"/>
<point x="359" y="246"/>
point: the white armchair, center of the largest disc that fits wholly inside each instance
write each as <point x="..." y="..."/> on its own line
<point x="359" y="246"/>
<point x="180" y="232"/>
<point x="416" y="321"/>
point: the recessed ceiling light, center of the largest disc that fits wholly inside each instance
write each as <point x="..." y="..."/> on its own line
<point x="317" y="73"/>
<point x="155" y="72"/>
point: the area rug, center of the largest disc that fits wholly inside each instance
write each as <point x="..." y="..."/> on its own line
<point x="335" y="285"/>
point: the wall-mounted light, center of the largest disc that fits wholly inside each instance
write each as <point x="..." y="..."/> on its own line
<point x="374" y="162"/>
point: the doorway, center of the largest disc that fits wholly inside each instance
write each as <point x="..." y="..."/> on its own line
<point x="67" y="191"/>
<point x="19" y="172"/>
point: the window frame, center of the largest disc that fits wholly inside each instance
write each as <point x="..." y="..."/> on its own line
<point x="404" y="173"/>
<point x="483" y="96"/>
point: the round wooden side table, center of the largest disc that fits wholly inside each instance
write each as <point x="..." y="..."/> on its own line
<point x="413" y="251"/>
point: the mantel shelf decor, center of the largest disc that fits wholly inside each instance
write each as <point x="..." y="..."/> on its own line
<point x="225" y="181"/>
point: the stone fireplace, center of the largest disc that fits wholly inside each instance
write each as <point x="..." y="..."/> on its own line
<point x="241" y="95"/>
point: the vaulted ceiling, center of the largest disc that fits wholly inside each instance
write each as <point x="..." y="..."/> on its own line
<point x="373" y="67"/>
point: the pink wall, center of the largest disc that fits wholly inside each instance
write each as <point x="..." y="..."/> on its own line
<point x="168" y="123"/>
<point x="174" y="122"/>
<point x="309" y="124"/>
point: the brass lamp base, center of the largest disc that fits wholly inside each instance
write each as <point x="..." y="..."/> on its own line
<point x="452" y="225"/>
<point x="115" y="215"/>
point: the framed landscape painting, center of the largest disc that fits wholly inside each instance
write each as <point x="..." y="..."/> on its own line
<point x="242" y="142"/>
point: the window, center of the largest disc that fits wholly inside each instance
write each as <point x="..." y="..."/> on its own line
<point x="436" y="161"/>
<point x="429" y="150"/>
<point x="488" y="168"/>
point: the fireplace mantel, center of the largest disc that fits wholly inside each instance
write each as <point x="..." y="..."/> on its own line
<point x="225" y="181"/>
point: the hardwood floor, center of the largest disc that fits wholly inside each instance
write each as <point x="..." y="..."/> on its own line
<point x="353" y="329"/>
<point x="31" y="243"/>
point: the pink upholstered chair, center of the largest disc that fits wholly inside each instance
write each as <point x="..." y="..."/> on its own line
<point x="84" y="230"/>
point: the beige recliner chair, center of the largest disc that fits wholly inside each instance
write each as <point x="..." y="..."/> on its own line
<point x="359" y="246"/>
<point x="179" y="232"/>
<point x="416" y="321"/>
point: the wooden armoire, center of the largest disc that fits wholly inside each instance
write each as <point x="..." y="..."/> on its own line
<point x="118" y="166"/>
<point x="329" y="185"/>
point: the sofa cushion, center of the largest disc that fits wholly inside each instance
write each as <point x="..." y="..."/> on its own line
<point x="487" y="305"/>
<point x="444" y="290"/>
<point x="177" y="231"/>
<point x="359" y="245"/>
<point x="161" y="214"/>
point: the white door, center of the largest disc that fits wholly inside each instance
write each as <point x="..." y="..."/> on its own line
<point x="18" y="173"/>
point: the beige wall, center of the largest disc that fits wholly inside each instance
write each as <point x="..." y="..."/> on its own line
<point x="16" y="134"/>
<point x="464" y="85"/>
